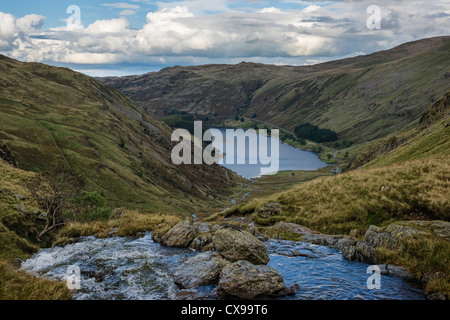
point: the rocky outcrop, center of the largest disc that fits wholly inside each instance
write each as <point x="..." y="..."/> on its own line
<point x="284" y="230"/>
<point x="395" y="271"/>
<point x="269" y="210"/>
<point x="391" y="236"/>
<point x="354" y="250"/>
<point x="248" y="281"/>
<point x="6" y="155"/>
<point x="203" y="240"/>
<point x="180" y="235"/>
<point x="236" y="245"/>
<point x="201" y="270"/>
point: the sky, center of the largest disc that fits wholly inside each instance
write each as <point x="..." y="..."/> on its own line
<point x="108" y="38"/>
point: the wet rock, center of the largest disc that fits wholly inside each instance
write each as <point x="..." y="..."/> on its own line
<point x="100" y="276"/>
<point x="392" y="236"/>
<point x="247" y="281"/>
<point x="399" y="272"/>
<point x="437" y="296"/>
<point x="236" y="245"/>
<point x="322" y="239"/>
<point x="200" y="270"/>
<point x="290" y="291"/>
<point x="269" y="210"/>
<point x="366" y="253"/>
<point x="254" y="231"/>
<point x="187" y="295"/>
<point x="287" y="228"/>
<point x="353" y="250"/>
<point x="201" y="242"/>
<point x="180" y="235"/>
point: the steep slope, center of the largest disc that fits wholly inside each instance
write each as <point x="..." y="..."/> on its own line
<point x="361" y="98"/>
<point x="431" y="138"/>
<point x="52" y="116"/>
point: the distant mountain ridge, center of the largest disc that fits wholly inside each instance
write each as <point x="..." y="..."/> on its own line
<point x="361" y="98"/>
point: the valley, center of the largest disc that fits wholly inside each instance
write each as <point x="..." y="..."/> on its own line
<point x="387" y="204"/>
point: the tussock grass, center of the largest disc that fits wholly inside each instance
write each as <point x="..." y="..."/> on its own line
<point x="130" y="223"/>
<point x="358" y="199"/>
<point x="18" y="285"/>
<point x="423" y="257"/>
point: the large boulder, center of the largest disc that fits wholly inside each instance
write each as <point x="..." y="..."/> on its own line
<point x="236" y="245"/>
<point x="201" y="270"/>
<point x="291" y="231"/>
<point x="247" y="281"/>
<point x="269" y="210"/>
<point x="392" y="236"/>
<point x="180" y="235"/>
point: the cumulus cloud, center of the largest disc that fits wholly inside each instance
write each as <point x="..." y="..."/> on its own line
<point x="181" y="31"/>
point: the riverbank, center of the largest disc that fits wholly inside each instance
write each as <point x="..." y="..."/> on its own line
<point x="232" y="262"/>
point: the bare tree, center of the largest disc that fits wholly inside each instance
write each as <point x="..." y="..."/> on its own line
<point x="53" y="190"/>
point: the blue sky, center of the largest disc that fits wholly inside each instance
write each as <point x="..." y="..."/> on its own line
<point x="138" y="36"/>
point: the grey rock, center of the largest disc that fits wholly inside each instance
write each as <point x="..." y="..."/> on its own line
<point x="200" y="270"/>
<point x="236" y="245"/>
<point x="180" y="235"/>
<point x="203" y="227"/>
<point x="269" y="210"/>
<point x="322" y="239"/>
<point x="287" y="227"/>
<point x="376" y="237"/>
<point x="290" y="291"/>
<point x="201" y="242"/>
<point x="437" y="296"/>
<point x="399" y="272"/>
<point x="247" y="281"/>
<point x="254" y="231"/>
<point x="366" y="253"/>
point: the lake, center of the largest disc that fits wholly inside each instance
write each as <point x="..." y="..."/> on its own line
<point x="290" y="158"/>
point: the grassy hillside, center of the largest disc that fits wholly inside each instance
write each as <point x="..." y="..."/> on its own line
<point x="52" y="116"/>
<point x="400" y="178"/>
<point x="362" y="98"/>
<point x="431" y="138"/>
<point x="21" y="218"/>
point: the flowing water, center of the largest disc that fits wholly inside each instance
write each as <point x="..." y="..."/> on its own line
<point x="142" y="269"/>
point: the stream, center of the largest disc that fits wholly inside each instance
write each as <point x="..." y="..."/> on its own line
<point x="141" y="269"/>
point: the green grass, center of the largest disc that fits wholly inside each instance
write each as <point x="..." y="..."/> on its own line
<point x="355" y="200"/>
<point x="52" y="116"/>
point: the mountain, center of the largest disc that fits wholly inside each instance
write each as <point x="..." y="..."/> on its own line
<point x="430" y="138"/>
<point x="53" y="116"/>
<point x="361" y="98"/>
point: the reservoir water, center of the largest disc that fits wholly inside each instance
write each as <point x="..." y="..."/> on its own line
<point x="290" y="158"/>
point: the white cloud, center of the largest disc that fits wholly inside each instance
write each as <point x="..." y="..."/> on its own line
<point x="181" y="31"/>
<point x="127" y="12"/>
<point x="122" y="5"/>
<point x="109" y="26"/>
